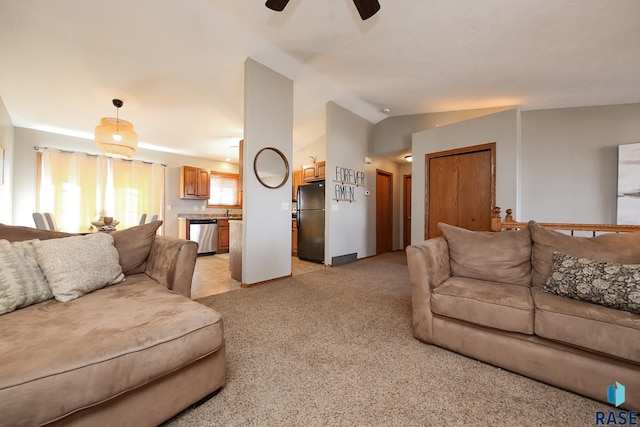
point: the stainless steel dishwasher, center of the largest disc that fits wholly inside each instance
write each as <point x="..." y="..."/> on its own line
<point x="205" y="233"/>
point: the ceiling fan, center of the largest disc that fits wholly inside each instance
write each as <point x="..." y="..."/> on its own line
<point x="366" y="8"/>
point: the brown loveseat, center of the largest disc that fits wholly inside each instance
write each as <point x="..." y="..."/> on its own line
<point x="482" y="294"/>
<point x="130" y="354"/>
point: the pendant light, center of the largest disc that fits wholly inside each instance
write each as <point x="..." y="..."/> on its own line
<point x="115" y="137"/>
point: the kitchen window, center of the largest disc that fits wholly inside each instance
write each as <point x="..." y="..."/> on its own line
<point x="225" y="191"/>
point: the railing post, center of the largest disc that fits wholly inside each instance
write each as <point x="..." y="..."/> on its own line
<point x="496" y="224"/>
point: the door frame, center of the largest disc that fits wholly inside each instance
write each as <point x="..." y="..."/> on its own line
<point x="406" y="210"/>
<point x="491" y="147"/>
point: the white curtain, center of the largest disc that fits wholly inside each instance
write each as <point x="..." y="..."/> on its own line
<point x="79" y="188"/>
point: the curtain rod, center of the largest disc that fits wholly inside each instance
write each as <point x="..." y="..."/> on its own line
<point x="60" y="150"/>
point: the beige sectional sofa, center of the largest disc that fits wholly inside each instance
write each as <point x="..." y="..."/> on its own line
<point x="133" y="353"/>
<point x="486" y="295"/>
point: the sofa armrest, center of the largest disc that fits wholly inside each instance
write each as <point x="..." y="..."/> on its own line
<point x="171" y="262"/>
<point x="428" y="263"/>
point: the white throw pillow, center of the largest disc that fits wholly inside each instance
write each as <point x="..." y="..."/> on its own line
<point x="77" y="265"/>
<point x="22" y="283"/>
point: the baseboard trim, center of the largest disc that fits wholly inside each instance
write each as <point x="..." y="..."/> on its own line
<point x="251" y="285"/>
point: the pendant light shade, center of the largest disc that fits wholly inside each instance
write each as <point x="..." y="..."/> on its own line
<point x="115" y="137"/>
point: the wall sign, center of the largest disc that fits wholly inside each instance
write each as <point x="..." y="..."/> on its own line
<point x="346" y="181"/>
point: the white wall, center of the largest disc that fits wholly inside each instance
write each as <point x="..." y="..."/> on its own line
<point x="25" y="163"/>
<point x="317" y="149"/>
<point x="393" y="135"/>
<point x="6" y="143"/>
<point x="268" y="122"/>
<point x="569" y="162"/>
<point x="351" y="227"/>
<point x="502" y="128"/>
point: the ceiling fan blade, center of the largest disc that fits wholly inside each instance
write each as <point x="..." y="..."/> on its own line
<point x="277" y="5"/>
<point x="367" y="8"/>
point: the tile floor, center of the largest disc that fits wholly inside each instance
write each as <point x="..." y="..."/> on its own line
<point x="212" y="275"/>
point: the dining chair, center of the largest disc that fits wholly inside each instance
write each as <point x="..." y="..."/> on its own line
<point x="143" y="219"/>
<point x="51" y="221"/>
<point x="40" y="221"/>
<point x="154" y="217"/>
<point x="45" y="221"/>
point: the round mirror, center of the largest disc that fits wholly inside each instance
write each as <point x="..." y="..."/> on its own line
<point x="271" y="167"/>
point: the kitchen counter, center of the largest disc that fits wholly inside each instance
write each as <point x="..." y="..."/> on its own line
<point x="208" y="216"/>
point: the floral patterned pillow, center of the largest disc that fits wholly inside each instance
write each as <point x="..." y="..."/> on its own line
<point x="608" y="284"/>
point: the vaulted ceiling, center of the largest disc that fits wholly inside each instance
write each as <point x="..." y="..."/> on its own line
<point x="178" y="65"/>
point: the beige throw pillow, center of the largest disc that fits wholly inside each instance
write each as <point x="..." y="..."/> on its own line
<point x="22" y="283"/>
<point x="77" y="265"/>
<point x="503" y="256"/>
<point x="623" y="248"/>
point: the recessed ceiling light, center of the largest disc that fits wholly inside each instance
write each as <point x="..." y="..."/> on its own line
<point x="408" y="158"/>
<point x="386" y="110"/>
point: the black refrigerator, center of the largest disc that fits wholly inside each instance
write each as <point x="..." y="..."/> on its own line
<point x="311" y="222"/>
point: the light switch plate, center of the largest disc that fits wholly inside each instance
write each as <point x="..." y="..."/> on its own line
<point x="334" y="207"/>
<point x="168" y="207"/>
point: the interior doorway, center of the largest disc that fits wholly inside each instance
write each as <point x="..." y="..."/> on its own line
<point x="406" y="210"/>
<point x="384" y="211"/>
<point x="460" y="188"/>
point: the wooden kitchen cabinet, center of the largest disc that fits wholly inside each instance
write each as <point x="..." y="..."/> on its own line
<point x="194" y="183"/>
<point x="223" y="236"/>
<point x="296" y="180"/>
<point x="313" y="172"/>
<point x="294" y="237"/>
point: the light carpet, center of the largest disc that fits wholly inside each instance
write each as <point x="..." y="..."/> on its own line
<point x="334" y="347"/>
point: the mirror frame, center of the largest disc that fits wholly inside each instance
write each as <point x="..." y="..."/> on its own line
<point x="284" y="160"/>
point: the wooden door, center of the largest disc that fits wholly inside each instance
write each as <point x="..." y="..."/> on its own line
<point x="406" y="210"/>
<point x="460" y="188"/>
<point x="384" y="212"/>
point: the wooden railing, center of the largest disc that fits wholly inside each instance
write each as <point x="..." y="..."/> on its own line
<point x="497" y="224"/>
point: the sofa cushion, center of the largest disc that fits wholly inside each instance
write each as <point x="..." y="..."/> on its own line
<point x="77" y="265"/>
<point x="499" y="257"/>
<point x="609" y="284"/>
<point x="622" y="248"/>
<point x="591" y="326"/>
<point x="134" y="244"/>
<point x="58" y="358"/>
<point x="492" y="304"/>
<point x="22" y="283"/>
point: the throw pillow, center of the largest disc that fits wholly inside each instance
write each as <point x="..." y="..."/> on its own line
<point x="604" y="283"/>
<point x="503" y="256"/>
<point x="134" y="244"/>
<point x="21" y="280"/>
<point x="622" y="248"/>
<point x="78" y="265"/>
